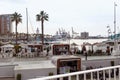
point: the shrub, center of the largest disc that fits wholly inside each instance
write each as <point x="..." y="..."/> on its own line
<point x="18" y="76"/>
<point x="50" y="73"/>
<point x="17" y="47"/>
<point x="112" y="63"/>
<point x="78" y="52"/>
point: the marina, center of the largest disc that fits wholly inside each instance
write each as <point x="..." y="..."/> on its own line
<point x="32" y="61"/>
<point x="70" y="41"/>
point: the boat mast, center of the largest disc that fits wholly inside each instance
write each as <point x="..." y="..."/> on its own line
<point x="27" y="22"/>
<point x="115" y="42"/>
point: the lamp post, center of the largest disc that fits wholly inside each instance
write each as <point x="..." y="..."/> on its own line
<point x="69" y="40"/>
<point x="108" y="31"/>
<point x="69" y="37"/>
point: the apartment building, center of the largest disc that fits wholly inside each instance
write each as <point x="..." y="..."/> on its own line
<point x="5" y="24"/>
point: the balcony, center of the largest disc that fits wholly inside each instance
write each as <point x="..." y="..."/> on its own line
<point x="106" y="73"/>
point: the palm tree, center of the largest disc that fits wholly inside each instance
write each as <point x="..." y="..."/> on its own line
<point x="42" y="17"/>
<point x="17" y="18"/>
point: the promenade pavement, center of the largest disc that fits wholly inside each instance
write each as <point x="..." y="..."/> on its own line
<point x="7" y="79"/>
<point x="17" y="60"/>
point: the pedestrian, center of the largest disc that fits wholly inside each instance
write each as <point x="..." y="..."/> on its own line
<point x="108" y="50"/>
<point x="47" y="51"/>
<point x="85" y="52"/>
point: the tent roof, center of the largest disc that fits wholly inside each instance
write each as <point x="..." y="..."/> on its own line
<point x="7" y="45"/>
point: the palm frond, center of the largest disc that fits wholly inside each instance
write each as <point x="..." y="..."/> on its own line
<point x="16" y="17"/>
<point x="42" y="16"/>
<point x="38" y="17"/>
<point x="42" y="13"/>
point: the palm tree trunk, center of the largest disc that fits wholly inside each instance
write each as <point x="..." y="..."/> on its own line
<point x="42" y="26"/>
<point x="16" y="36"/>
<point x="16" y="32"/>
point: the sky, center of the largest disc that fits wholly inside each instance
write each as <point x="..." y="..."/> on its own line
<point x="83" y="15"/>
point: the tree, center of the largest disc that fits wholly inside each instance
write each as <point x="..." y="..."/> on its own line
<point x="42" y="17"/>
<point x="17" y="19"/>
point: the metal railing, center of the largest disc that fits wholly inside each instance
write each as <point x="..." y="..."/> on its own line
<point x="106" y="73"/>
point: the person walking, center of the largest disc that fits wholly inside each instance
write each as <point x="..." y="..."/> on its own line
<point x="47" y="51"/>
<point x="85" y="52"/>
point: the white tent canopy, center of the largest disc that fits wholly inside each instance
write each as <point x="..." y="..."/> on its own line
<point x="23" y="45"/>
<point x="7" y="46"/>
